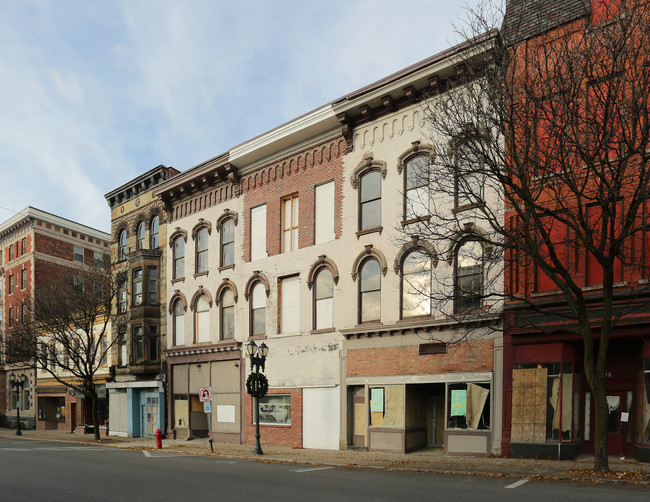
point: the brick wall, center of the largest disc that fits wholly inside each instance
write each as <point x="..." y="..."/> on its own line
<point x="299" y="173"/>
<point x="471" y="356"/>
<point x="278" y="435"/>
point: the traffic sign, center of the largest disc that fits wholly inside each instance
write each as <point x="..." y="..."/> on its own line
<point x="205" y="394"/>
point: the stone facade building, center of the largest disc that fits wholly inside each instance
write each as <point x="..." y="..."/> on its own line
<point x="139" y="324"/>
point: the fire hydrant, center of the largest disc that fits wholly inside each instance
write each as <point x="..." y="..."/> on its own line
<point x="158" y="435"/>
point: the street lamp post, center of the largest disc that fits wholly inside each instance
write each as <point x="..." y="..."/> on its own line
<point x="257" y="356"/>
<point x="16" y="386"/>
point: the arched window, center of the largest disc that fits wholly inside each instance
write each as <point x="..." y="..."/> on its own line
<point x="323" y="299"/>
<point x="179" y="257"/>
<point x="202" y="250"/>
<point x="121" y="246"/>
<point x="141" y="242"/>
<point x="227" y="314"/>
<point x="416" y="285"/>
<point x="370" y="291"/>
<point x="416" y="187"/>
<point x="258" y="310"/>
<point x="155" y="223"/>
<point x="370" y="200"/>
<point x="179" y="322"/>
<point x="468" y="276"/>
<point x="202" y="319"/>
<point x="227" y="242"/>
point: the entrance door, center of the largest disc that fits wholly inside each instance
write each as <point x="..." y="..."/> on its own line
<point x="150" y="416"/>
<point x="617" y="422"/>
<point x="359" y="416"/>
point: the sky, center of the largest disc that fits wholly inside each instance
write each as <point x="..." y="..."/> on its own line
<point x="95" y="93"/>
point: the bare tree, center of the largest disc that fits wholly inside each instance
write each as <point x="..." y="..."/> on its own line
<point x="540" y="178"/>
<point x="65" y="328"/>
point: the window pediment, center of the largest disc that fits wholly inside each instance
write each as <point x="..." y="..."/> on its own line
<point x="369" y="251"/>
<point x="322" y="262"/>
<point x="257" y="277"/>
<point x="368" y="164"/>
<point x="226" y="284"/>
<point x="178" y="232"/>
<point x="200" y="225"/>
<point x="227" y="213"/>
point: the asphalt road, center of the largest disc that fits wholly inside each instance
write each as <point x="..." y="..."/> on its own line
<point x="45" y="471"/>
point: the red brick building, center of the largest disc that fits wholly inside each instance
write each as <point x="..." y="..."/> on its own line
<point x="34" y="246"/>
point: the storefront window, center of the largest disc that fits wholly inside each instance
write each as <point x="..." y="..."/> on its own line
<point x="387" y="406"/>
<point x="275" y="409"/>
<point x="469" y="406"/>
<point x="544" y="397"/>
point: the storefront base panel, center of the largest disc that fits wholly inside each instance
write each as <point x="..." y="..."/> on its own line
<point x="475" y="443"/>
<point x="27" y="423"/>
<point x="642" y="453"/>
<point x="386" y="440"/>
<point x="552" y="451"/>
<point x="42" y="425"/>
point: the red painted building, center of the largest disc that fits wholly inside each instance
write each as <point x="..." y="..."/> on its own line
<point x="548" y="404"/>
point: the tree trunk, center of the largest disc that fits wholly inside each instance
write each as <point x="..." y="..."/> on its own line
<point x="95" y="423"/>
<point x="601" y="461"/>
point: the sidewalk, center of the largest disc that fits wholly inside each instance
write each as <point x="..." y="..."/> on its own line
<point x="624" y="470"/>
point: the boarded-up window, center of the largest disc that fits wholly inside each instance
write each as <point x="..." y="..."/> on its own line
<point x="289" y="300"/>
<point x="258" y="232"/>
<point x="202" y="320"/>
<point x="529" y="405"/>
<point x="324" y="213"/>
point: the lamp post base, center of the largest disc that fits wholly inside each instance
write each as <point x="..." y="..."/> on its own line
<point x="18" y="432"/>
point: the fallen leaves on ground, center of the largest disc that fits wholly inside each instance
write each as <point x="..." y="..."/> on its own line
<point x="624" y="475"/>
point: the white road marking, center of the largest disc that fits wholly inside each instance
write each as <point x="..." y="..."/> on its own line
<point x="162" y="455"/>
<point x="60" y="448"/>
<point x="518" y="483"/>
<point x="311" y="469"/>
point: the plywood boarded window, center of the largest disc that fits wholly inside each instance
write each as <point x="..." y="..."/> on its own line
<point x="390" y="411"/>
<point x="529" y="405"/>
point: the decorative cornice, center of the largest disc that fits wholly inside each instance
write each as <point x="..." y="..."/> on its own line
<point x="202" y="350"/>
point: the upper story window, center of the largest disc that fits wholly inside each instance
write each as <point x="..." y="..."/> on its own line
<point x="152" y="285"/>
<point x="289" y="304"/>
<point x="370" y="200"/>
<point x="2" y="287"/>
<point x="178" y="315"/>
<point x="416" y="187"/>
<point x="155" y="223"/>
<point x="323" y="299"/>
<point x="202" y="319"/>
<point x="11" y="252"/>
<point x="121" y="296"/>
<point x="11" y="284"/>
<point x="290" y="223"/>
<point x="258" y="232"/>
<point x="141" y="235"/>
<point x="121" y="246"/>
<point x="137" y="352"/>
<point x="202" y="250"/>
<point x="121" y="349"/>
<point x="79" y="254"/>
<point x="179" y="257"/>
<point x="98" y="259"/>
<point x="369" y="291"/>
<point x="137" y="286"/>
<point x="324" y="213"/>
<point x="258" y="310"/>
<point x="24" y="245"/>
<point x="416" y="285"/>
<point x="227" y="314"/>
<point x="469" y="176"/>
<point x="227" y="233"/>
<point x="23" y="279"/>
<point x="468" y="276"/>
